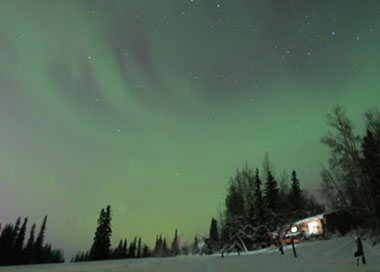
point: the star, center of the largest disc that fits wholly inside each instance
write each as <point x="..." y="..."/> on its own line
<point x="89" y="57"/>
<point x="118" y="130"/>
<point x="333" y="33"/>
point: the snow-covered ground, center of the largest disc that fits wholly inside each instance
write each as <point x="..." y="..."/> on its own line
<point x="334" y="255"/>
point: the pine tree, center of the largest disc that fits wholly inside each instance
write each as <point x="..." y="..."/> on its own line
<point x="107" y="233"/>
<point x="6" y="244"/>
<point x="158" y="247"/>
<point x="296" y="201"/>
<point x="28" y="251"/>
<point x="195" y="245"/>
<point x="125" y="249"/>
<point x="271" y="200"/>
<point x="139" y="248"/>
<point x="258" y="201"/>
<point x="10" y="251"/>
<point x="20" y="242"/>
<point x="174" y="248"/>
<point x="145" y="251"/>
<point x="100" y="249"/>
<point x="132" y="249"/>
<point x="164" y="248"/>
<point x="235" y="197"/>
<point x="213" y="235"/>
<point x="38" y="245"/>
<point x="117" y="254"/>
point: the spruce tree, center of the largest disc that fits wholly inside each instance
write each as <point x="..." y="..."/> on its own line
<point x="145" y="251"/>
<point x="158" y="247"/>
<point x="213" y="235"/>
<point x="6" y="244"/>
<point x="164" y="248"/>
<point x="271" y="200"/>
<point x="20" y="242"/>
<point x="132" y="249"/>
<point x="96" y="249"/>
<point x="28" y="251"/>
<point x="258" y="201"/>
<point x="117" y="254"/>
<point x="100" y="249"/>
<point x="139" y="248"/>
<point x="296" y="200"/>
<point x="195" y="245"/>
<point x="125" y="249"/>
<point x="174" y="248"/>
<point x="38" y="246"/>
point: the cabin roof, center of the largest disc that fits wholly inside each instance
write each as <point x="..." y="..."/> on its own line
<point x="315" y="217"/>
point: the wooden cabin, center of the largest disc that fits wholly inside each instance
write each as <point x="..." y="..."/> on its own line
<point x="333" y="221"/>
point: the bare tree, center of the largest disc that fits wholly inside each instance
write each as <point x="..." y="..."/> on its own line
<point x="344" y="178"/>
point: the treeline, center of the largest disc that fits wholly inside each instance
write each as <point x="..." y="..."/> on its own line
<point x="13" y="250"/>
<point x="101" y="248"/>
<point x="257" y="205"/>
<point x="352" y="178"/>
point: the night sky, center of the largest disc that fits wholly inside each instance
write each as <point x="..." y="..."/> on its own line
<point x="150" y="106"/>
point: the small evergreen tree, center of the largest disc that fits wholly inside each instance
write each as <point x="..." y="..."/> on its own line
<point x="145" y="251"/>
<point x="195" y="245"/>
<point x="174" y="248"/>
<point x="213" y="235"/>
<point x="139" y="248"/>
<point x="132" y="249"/>
<point x="164" y="248"/>
<point x="125" y="249"/>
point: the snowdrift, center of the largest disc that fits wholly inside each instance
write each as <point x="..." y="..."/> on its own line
<point x="335" y="255"/>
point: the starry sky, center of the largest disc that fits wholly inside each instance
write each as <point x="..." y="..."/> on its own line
<point x="150" y="106"/>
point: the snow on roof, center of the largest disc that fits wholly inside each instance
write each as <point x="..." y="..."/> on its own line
<point x="319" y="216"/>
<point x="315" y="217"/>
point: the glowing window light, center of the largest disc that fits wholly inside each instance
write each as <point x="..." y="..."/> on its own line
<point x="313" y="227"/>
<point x="294" y="229"/>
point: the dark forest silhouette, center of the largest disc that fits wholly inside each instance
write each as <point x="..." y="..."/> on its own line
<point x="13" y="250"/>
<point x="101" y="247"/>
<point x="253" y="209"/>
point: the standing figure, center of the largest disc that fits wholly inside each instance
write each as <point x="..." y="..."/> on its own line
<point x="359" y="251"/>
<point x="281" y="248"/>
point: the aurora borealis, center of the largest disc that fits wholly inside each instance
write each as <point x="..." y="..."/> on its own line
<point x="150" y="106"/>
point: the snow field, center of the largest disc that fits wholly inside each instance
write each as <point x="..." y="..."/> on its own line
<point x="335" y="255"/>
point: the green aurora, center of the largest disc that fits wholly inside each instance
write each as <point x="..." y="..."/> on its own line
<point x="150" y="106"/>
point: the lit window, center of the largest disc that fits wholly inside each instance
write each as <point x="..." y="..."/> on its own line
<point x="313" y="227"/>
